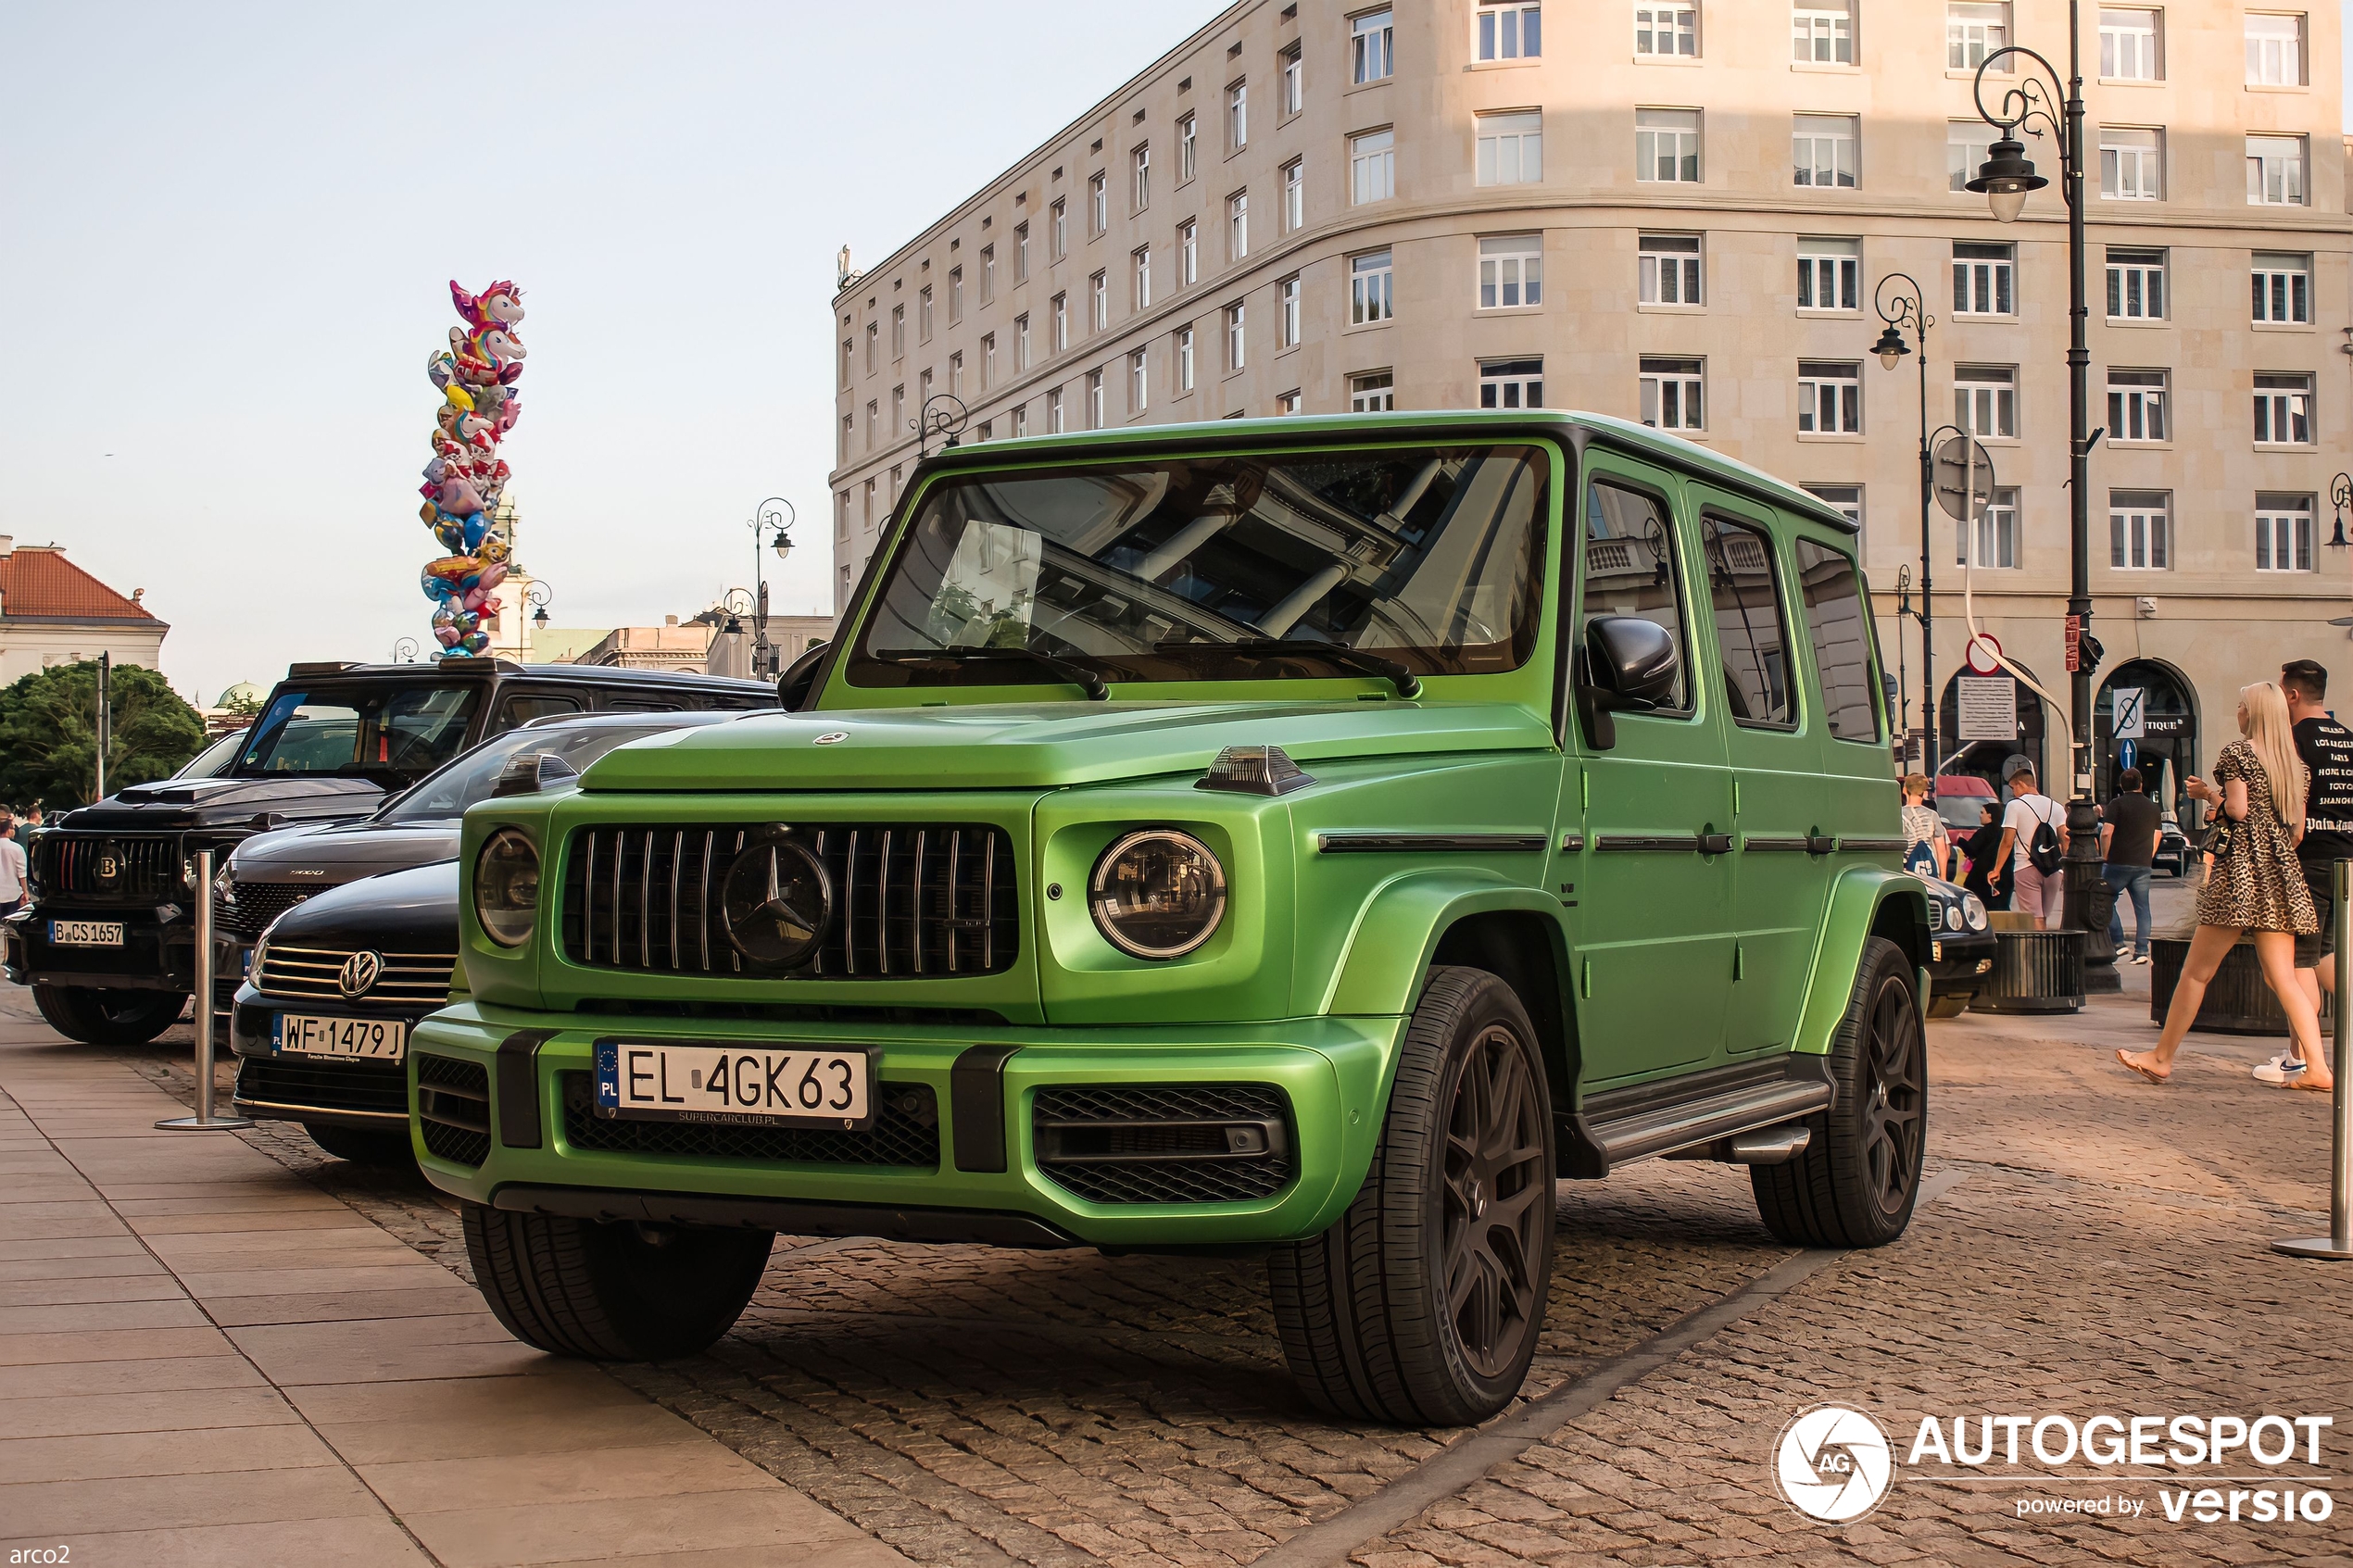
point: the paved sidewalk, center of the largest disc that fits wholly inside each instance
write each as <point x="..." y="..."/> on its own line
<point x="204" y="1358"/>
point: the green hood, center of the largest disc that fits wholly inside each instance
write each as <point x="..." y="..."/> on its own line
<point x="1019" y="745"/>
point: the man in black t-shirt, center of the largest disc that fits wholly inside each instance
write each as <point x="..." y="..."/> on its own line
<point x="2129" y="833"/>
<point x="2326" y="748"/>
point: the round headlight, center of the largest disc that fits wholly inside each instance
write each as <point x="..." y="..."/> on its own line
<point x="1973" y="910"/>
<point x="1158" y="893"/>
<point x="507" y="887"/>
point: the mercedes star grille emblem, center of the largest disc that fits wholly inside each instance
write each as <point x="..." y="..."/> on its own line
<point x="775" y="900"/>
<point x="359" y="975"/>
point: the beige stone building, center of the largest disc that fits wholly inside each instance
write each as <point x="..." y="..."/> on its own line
<point x="1682" y="213"/>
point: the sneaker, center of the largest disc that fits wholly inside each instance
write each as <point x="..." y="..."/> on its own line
<point x="2124" y="950"/>
<point x="2281" y="1068"/>
<point x="2140" y="958"/>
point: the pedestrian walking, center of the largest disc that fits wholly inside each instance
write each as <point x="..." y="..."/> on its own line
<point x="12" y="866"/>
<point x="2129" y="832"/>
<point x="2325" y="748"/>
<point x="1979" y="856"/>
<point x="1927" y="846"/>
<point x="2033" y="848"/>
<point x="2256" y="885"/>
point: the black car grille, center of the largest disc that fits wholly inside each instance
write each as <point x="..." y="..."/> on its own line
<point x="357" y="1085"/>
<point x="405" y="980"/>
<point x="109" y="868"/>
<point x="453" y="1108"/>
<point x="1165" y="1143"/>
<point x="905" y="1133"/>
<point x="908" y="900"/>
<point x="259" y="903"/>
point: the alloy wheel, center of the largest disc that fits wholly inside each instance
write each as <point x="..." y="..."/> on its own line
<point x="1891" y="1098"/>
<point x="1490" y="1203"/>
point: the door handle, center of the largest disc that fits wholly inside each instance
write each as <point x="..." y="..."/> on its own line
<point x="1820" y="844"/>
<point x="1713" y="843"/>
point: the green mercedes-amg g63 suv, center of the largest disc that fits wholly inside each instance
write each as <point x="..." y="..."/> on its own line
<point x="1310" y="836"/>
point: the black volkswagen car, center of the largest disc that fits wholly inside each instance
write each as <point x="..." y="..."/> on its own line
<point x="366" y="944"/>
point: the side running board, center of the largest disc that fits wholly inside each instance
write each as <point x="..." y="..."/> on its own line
<point x="1619" y="1126"/>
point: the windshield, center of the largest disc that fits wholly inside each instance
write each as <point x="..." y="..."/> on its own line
<point x="1429" y="557"/>
<point x="214" y="760"/>
<point x="378" y="732"/>
<point x="472" y="777"/>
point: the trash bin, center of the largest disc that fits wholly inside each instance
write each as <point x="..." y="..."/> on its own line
<point x="2033" y="972"/>
<point x="2237" y="1000"/>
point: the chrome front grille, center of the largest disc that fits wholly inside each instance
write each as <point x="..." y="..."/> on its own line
<point x="922" y="900"/>
<point x="109" y="868"/>
<point x="407" y="980"/>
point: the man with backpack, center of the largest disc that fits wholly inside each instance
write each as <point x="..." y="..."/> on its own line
<point x="2033" y="848"/>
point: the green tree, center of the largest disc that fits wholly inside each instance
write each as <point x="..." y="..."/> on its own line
<point x="48" y="733"/>
<point x="243" y="704"/>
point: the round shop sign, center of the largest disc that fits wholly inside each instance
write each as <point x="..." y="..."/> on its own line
<point x="1834" y="1463"/>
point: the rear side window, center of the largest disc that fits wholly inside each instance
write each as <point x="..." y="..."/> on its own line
<point x="1630" y="570"/>
<point x="1745" y="590"/>
<point x="524" y="706"/>
<point x="1834" y="593"/>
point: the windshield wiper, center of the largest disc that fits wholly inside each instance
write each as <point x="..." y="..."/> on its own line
<point x="1347" y="657"/>
<point x="1064" y="670"/>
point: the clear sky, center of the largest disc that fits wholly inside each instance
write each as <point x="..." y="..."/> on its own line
<point x="229" y="234"/>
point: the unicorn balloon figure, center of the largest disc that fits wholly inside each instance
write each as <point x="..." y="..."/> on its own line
<point x="464" y="482"/>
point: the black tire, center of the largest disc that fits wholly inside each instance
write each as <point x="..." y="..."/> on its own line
<point x="98" y="1017"/>
<point x="1423" y="1304"/>
<point x="612" y="1292"/>
<point x="1948" y="1004"/>
<point x="1856" y="1182"/>
<point x="363" y="1146"/>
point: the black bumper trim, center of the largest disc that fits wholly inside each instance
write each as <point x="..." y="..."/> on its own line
<point x="982" y="1226"/>
<point x="519" y="1123"/>
<point x="976" y="1108"/>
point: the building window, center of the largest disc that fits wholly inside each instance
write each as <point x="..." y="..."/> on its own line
<point x="897" y="411"/>
<point x="1237" y="344"/>
<point x="1295" y="195"/>
<point x="1288" y="403"/>
<point x="1985" y="399"/>
<point x="1058" y="308"/>
<point x="1142" y="264"/>
<point x="1830" y="398"/>
<point x="923" y="391"/>
<point x="1822" y="32"/>
<point x="989" y="275"/>
<point x="2276" y="171"/>
<point x="2275" y="51"/>
<point x="1238" y="115"/>
<point x="1511" y="383"/>
<point x="1137" y="394"/>
<point x="1375" y="392"/>
<point x="849" y="359"/>
<point x="1510" y="30"/>
<point x="1973" y="31"/>
<point x="2135" y="284"/>
<point x="873" y="422"/>
<point x="956" y="374"/>
<point x="897" y="331"/>
<point x="955" y="294"/>
<point x="1294" y="82"/>
<point x="1968" y="143"/>
<point x="1057" y="230"/>
<point x="1184" y="359"/>
<point x="1666" y="147"/>
<point x="1021" y="343"/>
<point x="2131" y="164"/>
<point x="1054" y="411"/>
<point x="1094" y="400"/>
<point x="848" y="421"/>
<point x="1667" y="31"/>
<point x="2129" y="43"/>
<point x="1984" y="279"/>
<point x="2282" y="410"/>
<point x="1511" y="272"/>
<point x="988" y="361"/>
<point x="1098" y="203"/>
<point x="1995" y="534"/>
<point x="866" y="521"/>
<point x="1099" y="301"/>
<point x="1370" y="295"/>
<point x="1822" y="149"/>
<point x="1188" y="147"/>
<point x="1511" y="148"/>
<point x="2282" y="532"/>
<point x="923" y="315"/>
<point x="1670" y="270"/>
<point x="841" y="518"/>
<point x="1287" y="322"/>
<point x="2135" y="405"/>
<point x="2283" y="287"/>
<point x="1188" y="254"/>
<point x="1021" y="420"/>
<point x="1237" y="225"/>
<point x="2140" y="530"/>
<point x="874" y="344"/>
<point x="1021" y="253"/>
<point x="988" y="430"/>
<point x="1139" y="164"/>
<point x="1372" y="166"/>
<point x="1844" y="499"/>
<point x="1830" y="274"/>
<point x="1671" y="394"/>
<point x="1372" y="40"/>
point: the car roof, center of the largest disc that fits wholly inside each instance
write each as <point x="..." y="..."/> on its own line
<point x="487" y="668"/>
<point x="679" y="719"/>
<point x="1962" y="784"/>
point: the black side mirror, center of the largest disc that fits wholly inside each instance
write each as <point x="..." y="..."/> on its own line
<point x="793" y="687"/>
<point x="1627" y="663"/>
<point x="528" y="772"/>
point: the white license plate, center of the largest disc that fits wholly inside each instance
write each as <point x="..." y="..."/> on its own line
<point x="737" y="1084"/>
<point x="85" y="933"/>
<point x="376" y="1039"/>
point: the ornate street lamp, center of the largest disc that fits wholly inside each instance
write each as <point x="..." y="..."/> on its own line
<point x="774" y="514"/>
<point x="538" y="596"/>
<point x="943" y="414"/>
<point x="1899" y="308"/>
<point x="405" y="650"/>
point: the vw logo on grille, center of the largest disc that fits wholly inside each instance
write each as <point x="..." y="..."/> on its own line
<point x="775" y="900"/>
<point x="359" y="975"/>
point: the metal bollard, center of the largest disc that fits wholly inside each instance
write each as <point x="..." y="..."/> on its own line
<point x="2338" y="1243"/>
<point x="204" y="1121"/>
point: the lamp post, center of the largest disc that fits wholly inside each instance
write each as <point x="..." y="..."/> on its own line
<point x="2006" y="179"/>
<point x="538" y="596"/>
<point x="935" y="419"/>
<point x="2341" y="496"/>
<point x="1896" y="310"/>
<point x="404" y="650"/>
<point x="779" y="514"/>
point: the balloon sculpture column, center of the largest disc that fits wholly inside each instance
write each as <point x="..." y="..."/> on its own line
<point x="477" y="375"/>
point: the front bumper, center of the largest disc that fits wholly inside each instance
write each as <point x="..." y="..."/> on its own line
<point x="984" y="1180"/>
<point x="158" y="952"/>
<point x="1959" y="961"/>
<point x="329" y="1090"/>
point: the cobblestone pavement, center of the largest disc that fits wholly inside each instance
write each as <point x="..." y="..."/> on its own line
<point x="2105" y="1250"/>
